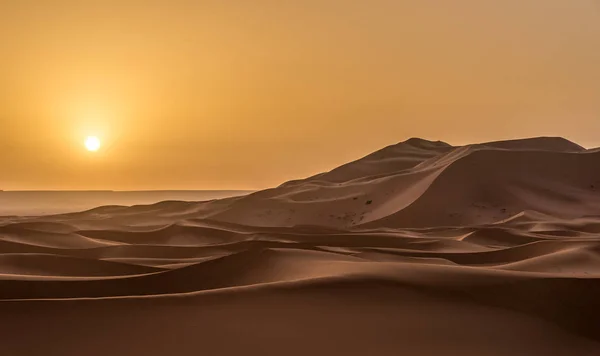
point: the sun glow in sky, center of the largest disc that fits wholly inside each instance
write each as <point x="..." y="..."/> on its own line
<point x="92" y="143"/>
<point x="247" y="94"/>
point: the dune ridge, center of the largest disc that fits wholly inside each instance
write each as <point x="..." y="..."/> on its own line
<point x="421" y="247"/>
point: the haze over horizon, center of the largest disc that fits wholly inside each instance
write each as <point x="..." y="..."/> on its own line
<point x="207" y="95"/>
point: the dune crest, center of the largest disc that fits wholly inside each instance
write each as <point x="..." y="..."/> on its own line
<point x="419" y="183"/>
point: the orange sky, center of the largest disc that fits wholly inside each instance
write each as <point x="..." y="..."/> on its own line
<point x="247" y="94"/>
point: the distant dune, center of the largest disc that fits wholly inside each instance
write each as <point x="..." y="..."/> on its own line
<point x="59" y="202"/>
<point x="420" y="248"/>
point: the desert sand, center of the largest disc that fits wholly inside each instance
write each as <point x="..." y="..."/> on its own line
<point x="35" y="202"/>
<point x="421" y="248"/>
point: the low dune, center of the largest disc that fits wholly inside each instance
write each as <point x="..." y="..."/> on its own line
<point x="420" y="248"/>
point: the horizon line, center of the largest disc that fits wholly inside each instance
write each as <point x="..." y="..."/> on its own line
<point x="125" y="191"/>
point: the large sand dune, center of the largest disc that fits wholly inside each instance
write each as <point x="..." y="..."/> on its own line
<point x="420" y="248"/>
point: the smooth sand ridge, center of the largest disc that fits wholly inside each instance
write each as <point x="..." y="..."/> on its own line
<point x="420" y="248"/>
<point x="477" y="184"/>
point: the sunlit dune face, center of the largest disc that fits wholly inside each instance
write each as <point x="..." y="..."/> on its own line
<point x="92" y="143"/>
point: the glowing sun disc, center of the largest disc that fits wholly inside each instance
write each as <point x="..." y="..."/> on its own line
<point x="92" y="143"/>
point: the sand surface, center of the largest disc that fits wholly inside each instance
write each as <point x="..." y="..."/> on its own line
<point x="35" y="202"/>
<point x="420" y="248"/>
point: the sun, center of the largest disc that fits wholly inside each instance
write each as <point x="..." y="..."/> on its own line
<point x="92" y="143"/>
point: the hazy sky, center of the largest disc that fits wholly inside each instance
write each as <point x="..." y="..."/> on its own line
<point x="191" y="94"/>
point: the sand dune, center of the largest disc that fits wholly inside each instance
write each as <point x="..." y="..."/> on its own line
<point x="471" y="185"/>
<point x="420" y="248"/>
